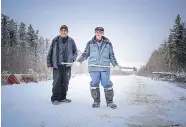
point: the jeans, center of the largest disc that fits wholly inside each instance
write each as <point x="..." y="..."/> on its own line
<point x="100" y="76"/>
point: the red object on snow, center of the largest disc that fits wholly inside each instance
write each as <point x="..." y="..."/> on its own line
<point x="10" y="79"/>
<point x="28" y="78"/>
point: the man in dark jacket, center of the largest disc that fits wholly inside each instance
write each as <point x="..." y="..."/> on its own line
<point x="62" y="50"/>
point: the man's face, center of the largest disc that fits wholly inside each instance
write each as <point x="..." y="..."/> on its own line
<point x="63" y="32"/>
<point x="99" y="34"/>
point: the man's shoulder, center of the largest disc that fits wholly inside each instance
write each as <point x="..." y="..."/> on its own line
<point x="55" y="39"/>
<point x="105" y="39"/>
<point x="90" y="42"/>
<point x="70" y="38"/>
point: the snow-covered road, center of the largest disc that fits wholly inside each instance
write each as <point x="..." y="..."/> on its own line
<point x="141" y="102"/>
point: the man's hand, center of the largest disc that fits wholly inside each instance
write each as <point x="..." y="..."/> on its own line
<point x="68" y="65"/>
<point x="117" y="68"/>
<point x="51" y="68"/>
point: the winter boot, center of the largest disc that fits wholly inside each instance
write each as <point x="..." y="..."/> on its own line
<point x="95" y="92"/>
<point x="56" y="102"/>
<point x="66" y="101"/>
<point x="109" y="94"/>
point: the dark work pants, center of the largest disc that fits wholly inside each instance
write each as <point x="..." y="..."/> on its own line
<point x="61" y="77"/>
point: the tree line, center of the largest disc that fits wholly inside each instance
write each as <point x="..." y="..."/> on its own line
<point x="171" y="55"/>
<point x="22" y="47"/>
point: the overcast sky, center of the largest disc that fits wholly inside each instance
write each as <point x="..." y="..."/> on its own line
<point x="135" y="27"/>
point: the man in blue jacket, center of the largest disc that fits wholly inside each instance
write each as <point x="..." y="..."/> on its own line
<point x="100" y="52"/>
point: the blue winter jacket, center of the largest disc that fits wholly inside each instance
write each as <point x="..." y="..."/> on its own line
<point x="99" y="56"/>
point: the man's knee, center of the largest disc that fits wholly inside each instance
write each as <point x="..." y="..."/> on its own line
<point x="94" y="83"/>
<point x="105" y="79"/>
<point x="66" y="78"/>
<point x="107" y="84"/>
<point x="95" y="79"/>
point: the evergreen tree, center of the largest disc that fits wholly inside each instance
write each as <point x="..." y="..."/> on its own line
<point x="184" y="47"/>
<point x="22" y="34"/>
<point x="5" y="42"/>
<point x="13" y="54"/>
<point x="13" y="33"/>
<point x="31" y="40"/>
<point x="23" y="47"/>
<point x="30" y="36"/>
<point x="177" y="44"/>
<point x="5" y="36"/>
<point x="170" y="52"/>
<point x="164" y="52"/>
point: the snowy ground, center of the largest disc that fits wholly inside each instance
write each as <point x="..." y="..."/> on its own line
<point x="141" y="102"/>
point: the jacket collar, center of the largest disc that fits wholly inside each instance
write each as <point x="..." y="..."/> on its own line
<point x="104" y="39"/>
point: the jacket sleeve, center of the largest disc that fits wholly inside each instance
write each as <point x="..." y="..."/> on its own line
<point x="85" y="54"/>
<point x="112" y="56"/>
<point x="49" y="56"/>
<point x="74" y="51"/>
